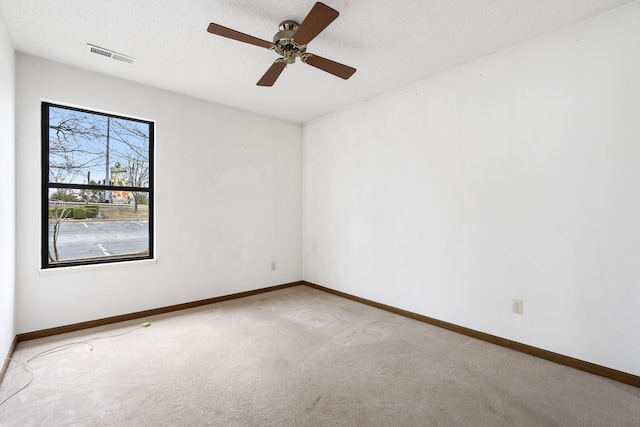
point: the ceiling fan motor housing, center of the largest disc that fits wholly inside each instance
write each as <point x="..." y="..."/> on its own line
<point x="284" y="43"/>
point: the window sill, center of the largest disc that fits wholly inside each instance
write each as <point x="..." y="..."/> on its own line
<point x="120" y="264"/>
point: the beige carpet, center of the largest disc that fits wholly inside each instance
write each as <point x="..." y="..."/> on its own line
<point x="299" y="357"/>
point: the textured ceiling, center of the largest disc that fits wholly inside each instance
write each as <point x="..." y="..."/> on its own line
<point x="392" y="43"/>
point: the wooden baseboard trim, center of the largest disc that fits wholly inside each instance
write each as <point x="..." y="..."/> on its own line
<point x="591" y="368"/>
<point x="5" y="364"/>
<point x="145" y="313"/>
<point x="582" y="365"/>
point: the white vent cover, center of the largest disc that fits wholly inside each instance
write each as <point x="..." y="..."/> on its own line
<point x="110" y="54"/>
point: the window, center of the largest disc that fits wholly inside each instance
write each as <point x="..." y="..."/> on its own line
<point x="97" y="187"/>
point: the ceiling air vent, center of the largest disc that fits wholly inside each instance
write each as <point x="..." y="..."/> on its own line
<point x="110" y="54"/>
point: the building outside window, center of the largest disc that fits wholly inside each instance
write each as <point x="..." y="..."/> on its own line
<point x="97" y="187"/>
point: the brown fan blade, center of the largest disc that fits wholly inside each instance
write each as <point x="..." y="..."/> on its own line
<point x="272" y="73"/>
<point x="237" y="35"/>
<point x="318" y="18"/>
<point x="332" y="67"/>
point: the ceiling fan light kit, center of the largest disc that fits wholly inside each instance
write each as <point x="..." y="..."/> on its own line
<point x="290" y="42"/>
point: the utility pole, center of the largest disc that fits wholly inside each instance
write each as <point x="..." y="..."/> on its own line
<point x="107" y="177"/>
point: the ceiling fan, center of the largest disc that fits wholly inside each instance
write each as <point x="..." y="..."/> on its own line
<point x="291" y="43"/>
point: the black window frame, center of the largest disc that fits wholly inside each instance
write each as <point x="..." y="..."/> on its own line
<point x="47" y="186"/>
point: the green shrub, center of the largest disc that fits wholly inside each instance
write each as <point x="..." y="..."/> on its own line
<point x="79" y="213"/>
<point x="65" y="212"/>
<point x="91" y="210"/>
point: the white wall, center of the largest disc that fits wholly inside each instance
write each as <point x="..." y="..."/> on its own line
<point x="228" y="201"/>
<point x="7" y="190"/>
<point x="516" y="176"/>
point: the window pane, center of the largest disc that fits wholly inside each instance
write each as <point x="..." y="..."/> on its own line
<point x="81" y="231"/>
<point x="95" y="149"/>
<point x="76" y="146"/>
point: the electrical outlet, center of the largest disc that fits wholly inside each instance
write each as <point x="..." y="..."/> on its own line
<point x="516" y="306"/>
<point x="273" y="265"/>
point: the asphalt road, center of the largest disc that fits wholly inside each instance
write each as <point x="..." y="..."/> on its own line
<point x="79" y="239"/>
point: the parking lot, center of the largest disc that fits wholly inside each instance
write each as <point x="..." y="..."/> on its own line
<point x="85" y="239"/>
